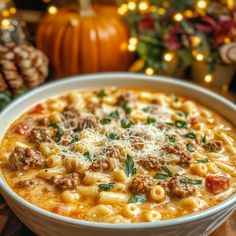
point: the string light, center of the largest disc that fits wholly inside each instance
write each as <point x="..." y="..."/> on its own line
<point x="202" y="4"/>
<point x="227" y="40"/>
<point x="168" y="56"/>
<point x="5" y="13"/>
<point x="12" y="10"/>
<point x="132" y="6"/>
<point x="165" y="4"/>
<point x="6" y="24"/>
<point x="188" y="13"/>
<point x="153" y="8"/>
<point x="161" y="11"/>
<point x="143" y="6"/>
<point x="195" y="41"/>
<point x="178" y="17"/>
<point x="199" y="57"/>
<point x="149" y="71"/>
<point x="133" y="42"/>
<point x="123" y="9"/>
<point x="208" y="78"/>
<point x="52" y="10"/>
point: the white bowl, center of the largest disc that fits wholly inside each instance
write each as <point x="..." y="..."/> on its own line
<point x="46" y="223"/>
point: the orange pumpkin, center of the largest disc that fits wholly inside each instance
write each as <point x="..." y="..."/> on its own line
<point x="93" y="40"/>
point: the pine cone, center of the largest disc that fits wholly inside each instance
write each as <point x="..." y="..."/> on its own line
<point x="21" y="66"/>
<point x="228" y="53"/>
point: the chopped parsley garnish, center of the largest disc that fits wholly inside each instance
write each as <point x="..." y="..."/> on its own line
<point x="105" y="121"/>
<point x="174" y="98"/>
<point x="112" y="136"/>
<point x="164" y="176"/>
<point x="170" y="123"/>
<point x="182" y="113"/>
<point x="146" y="109"/>
<point x="127" y="109"/>
<point x="106" y="187"/>
<point x="170" y="138"/>
<point x="205" y="160"/>
<point x="125" y="124"/>
<point x="129" y="166"/>
<point x="189" y="147"/>
<point x="151" y="120"/>
<point x="101" y="94"/>
<point x="114" y="114"/>
<point x="60" y="132"/>
<point x="190" y="135"/>
<point x="181" y="124"/>
<point x="88" y="156"/>
<point x="204" y="140"/>
<point x="74" y="139"/>
<point x="186" y="180"/>
<point x="137" y="198"/>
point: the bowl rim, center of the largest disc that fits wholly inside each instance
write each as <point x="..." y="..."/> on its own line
<point x="8" y="192"/>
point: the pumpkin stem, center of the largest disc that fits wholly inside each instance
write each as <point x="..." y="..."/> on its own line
<point x="86" y="8"/>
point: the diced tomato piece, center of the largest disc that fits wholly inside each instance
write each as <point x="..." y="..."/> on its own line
<point x="217" y="183"/>
<point x="61" y="209"/>
<point x="193" y="121"/>
<point x="38" y="109"/>
<point x="21" y="128"/>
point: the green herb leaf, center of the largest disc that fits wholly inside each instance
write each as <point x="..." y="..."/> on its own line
<point x="174" y="98"/>
<point x="146" y="109"/>
<point x="168" y="172"/>
<point x="137" y="198"/>
<point x="205" y="160"/>
<point x="160" y="176"/>
<point x="127" y="109"/>
<point x="115" y="114"/>
<point x="106" y="187"/>
<point x="182" y="113"/>
<point x="129" y="166"/>
<point x="125" y="124"/>
<point x="151" y="120"/>
<point x="170" y="123"/>
<point x="190" y="135"/>
<point x="189" y="147"/>
<point x="112" y="136"/>
<point x="88" y="156"/>
<point x="60" y="132"/>
<point x="101" y="94"/>
<point x="181" y="124"/>
<point x="105" y="121"/>
<point x="74" y="139"/>
<point x="170" y="138"/>
<point x="204" y="140"/>
<point x="187" y="180"/>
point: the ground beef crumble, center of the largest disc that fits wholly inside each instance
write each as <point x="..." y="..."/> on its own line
<point x="142" y="184"/>
<point x="185" y="157"/>
<point x="213" y="146"/>
<point x="179" y="189"/>
<point x="151" y="163"/>
<point x="65" y="182"/>
<point x="39" y="135"/>
<point x="25" y="158"/>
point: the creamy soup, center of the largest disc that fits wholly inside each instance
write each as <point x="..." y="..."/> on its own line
<point x="120" y="155"/>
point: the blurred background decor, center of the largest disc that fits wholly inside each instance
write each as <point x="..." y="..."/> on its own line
<point x="82" y="38"/>
<point x="174" y="37"/>
<point x="22" y="66"/>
